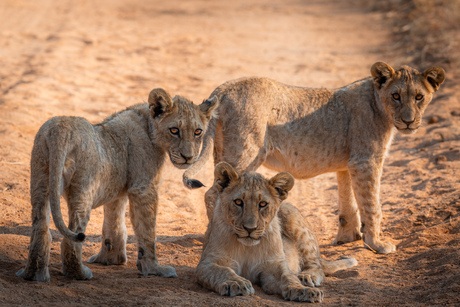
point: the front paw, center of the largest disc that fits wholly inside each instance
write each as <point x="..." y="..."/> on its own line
<point x="348" y="231"/>
<point x="42" y="275"/>
<point x="151" y="267"/>
<point x="303" y="294"/>
<point x="109" y="254"/>
<point x="237" y="286"/>
<point x="311" y="277"/>
<point x="379" y="247"/>
<point x="79" y="273"/>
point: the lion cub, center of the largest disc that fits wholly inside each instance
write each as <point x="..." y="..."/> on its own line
<point x="111" y="163"/>
<point x="255" y="238"/>
<point x="307" y="132"/>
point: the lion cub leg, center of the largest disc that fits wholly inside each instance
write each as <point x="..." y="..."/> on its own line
<point x="222" y="279"/>
<point x="366" y="185"/>
<point x="143" y="208"/>
<point x="71" y="251"/>
<point x="278" y="279"/>
<point x="349" y="220"/>
<point x="296" y="229"/>
<point x="39" y="250"/>
<point x="114" y="234"/>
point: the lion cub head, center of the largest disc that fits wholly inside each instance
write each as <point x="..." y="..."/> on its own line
<point x="179" y="125"/>
<point x="249" y="202"/>
<point x="405" y="93"/>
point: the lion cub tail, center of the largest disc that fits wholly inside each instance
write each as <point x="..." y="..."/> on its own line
<point x="330" y="267"/>
<point x="57" y="156"/>
<point x="206" y="152"/>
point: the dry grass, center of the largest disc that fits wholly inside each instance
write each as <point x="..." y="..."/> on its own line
<point x="427" y="32"/>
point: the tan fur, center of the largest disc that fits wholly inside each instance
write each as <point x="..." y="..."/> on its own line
<point x="308" y="132"/>
<point x="255" y="238"/>
<point x="111" y="163"/>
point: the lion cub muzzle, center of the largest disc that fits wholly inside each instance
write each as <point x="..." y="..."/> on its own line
<point x="248" y="234"/>
<point x="181" y="160"/>
<point x="407" y="126"/>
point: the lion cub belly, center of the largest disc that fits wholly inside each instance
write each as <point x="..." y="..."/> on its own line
<point x="91" y="178"/>
<point x="303" y="164"/>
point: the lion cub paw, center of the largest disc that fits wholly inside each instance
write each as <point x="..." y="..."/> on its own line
<point x="303" y="294"/>
<point x="115" y="259"/>
<point x="311" y="277"/>
<point x="109" y="255"/>
<point x="237" y="286"/>
<point x="39" y="275"/>
<point x="347" y="234"/>
<point x="380" y="247"/>
<point x="151" y="267"/>
<point x="82" y="273"/>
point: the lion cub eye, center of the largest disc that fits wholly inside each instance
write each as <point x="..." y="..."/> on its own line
<point x="419" y="97"/>
<point x="238" y="202"/>
<point x="396" y="96"/>
<point x="198" y="132"/>
<point x="263" y="204"/>
<point x="174" y="131"/>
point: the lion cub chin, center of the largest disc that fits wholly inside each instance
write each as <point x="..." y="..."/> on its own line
<point x="255" y="238"/>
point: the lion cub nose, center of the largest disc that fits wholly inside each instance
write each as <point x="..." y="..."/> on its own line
<point x="408" y="122"/>
<point x="249" y="230"/>
<point x="186" y="158"/>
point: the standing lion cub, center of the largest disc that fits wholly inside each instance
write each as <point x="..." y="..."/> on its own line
<point x="255" y="238"/>
<point x="307" y="132"/>
<point x="111" y="163"/>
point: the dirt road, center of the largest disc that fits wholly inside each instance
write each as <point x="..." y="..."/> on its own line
<point x="92" y="58"/>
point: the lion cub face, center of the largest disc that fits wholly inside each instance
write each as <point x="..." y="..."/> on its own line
<point x="180" y="125"/>
<point x="250" y="202"/>
<point x="405" y="93"/>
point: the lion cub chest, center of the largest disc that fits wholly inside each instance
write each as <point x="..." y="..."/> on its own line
<point x="250" y="261"/>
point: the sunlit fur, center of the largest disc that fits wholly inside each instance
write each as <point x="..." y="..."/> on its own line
<point x="407" y="111"/>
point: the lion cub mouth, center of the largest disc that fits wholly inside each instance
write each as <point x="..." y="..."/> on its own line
<point x="248" y="240"/>
<point x="183" y="165"/>
<point x="407" y="130"/>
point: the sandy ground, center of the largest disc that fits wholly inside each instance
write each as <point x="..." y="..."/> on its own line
<point x="92" y="58"/>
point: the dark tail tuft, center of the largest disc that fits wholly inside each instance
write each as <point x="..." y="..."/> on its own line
<point x="193" y="184"/>
<point x="81" y="236"/>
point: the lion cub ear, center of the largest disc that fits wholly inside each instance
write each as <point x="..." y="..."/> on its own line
<point x="381" y="72"/>
<point x="224" y="174"/>
<point x="283" y="183"/>
<point x="435" y="76"/>
<point x="209" y="106"/>
<point x="159" y="102"/>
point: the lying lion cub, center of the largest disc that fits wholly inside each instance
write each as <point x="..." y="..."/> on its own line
<point x="255" y="238"/>
<point x="108" y="164"/>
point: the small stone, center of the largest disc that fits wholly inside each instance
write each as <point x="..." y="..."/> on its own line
<point x="440" y="158"/>
<point x="433" y="119"/>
